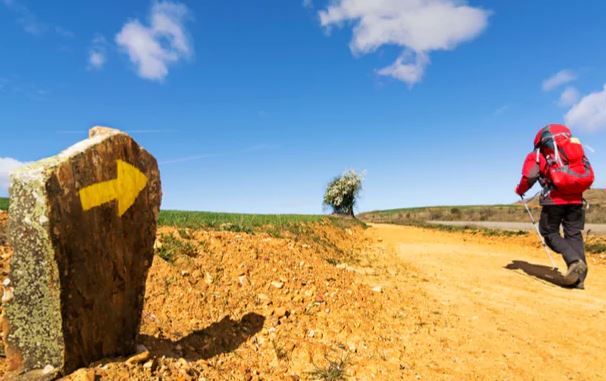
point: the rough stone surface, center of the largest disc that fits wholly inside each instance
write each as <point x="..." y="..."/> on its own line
<point x="78" y="274"/>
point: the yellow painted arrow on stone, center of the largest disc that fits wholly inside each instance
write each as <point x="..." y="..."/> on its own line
<point x="125" y="189"/>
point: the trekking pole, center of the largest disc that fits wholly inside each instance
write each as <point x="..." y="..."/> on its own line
<point x="536" y="228"/>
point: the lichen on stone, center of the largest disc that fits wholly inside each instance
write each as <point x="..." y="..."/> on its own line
<point x="34" y="312"/>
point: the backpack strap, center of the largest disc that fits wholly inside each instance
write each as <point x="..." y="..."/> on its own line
<point x="556" y="152"/>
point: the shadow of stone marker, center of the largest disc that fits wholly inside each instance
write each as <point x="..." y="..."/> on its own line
<point x="82" y="225"/>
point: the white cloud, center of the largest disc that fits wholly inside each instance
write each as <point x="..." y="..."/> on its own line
<point x="153" y="48"/>
<point x="560" y="78"/>
<point x="96" y="59"/>
<point x="417" y="26"/>
<point x="409" y="67"/>
<point x="97" y="54"/>
<point x="7" y="165"/>
<point x="589" y="113"/>
<point x="569" y="97"/>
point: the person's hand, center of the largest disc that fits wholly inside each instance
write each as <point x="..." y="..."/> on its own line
<point x="518" y="192"/>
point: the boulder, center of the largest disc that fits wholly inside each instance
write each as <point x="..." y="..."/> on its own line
<point x="82" y="225"/>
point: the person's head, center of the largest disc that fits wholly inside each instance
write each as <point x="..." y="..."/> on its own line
<point x="545" y="137"/>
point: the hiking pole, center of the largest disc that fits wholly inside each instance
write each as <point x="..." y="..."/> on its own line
<point x="536" y="228"/>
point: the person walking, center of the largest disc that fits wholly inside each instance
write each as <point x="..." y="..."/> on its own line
<point x="559" y="164"/>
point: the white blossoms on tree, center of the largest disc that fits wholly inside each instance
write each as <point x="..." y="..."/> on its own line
<point x="342" y="193"/>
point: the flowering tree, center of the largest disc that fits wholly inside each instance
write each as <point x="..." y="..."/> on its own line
<point x="342" y="193"/>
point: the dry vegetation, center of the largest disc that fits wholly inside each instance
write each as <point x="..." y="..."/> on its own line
<point x="498" y="213"/>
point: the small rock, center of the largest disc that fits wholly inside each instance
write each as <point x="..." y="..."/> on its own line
<point x="208" y="279"/>
<point x="48" y="369"/>
<point x="378" y="289"/>
<point x="149" y="364"/>
<point x="280" y="312"/>
<point x="8" y="295"/>
<point x="6" y="282"/>
<point x="277" y="284"/>
<point x="138" y="358"/>
<point x="351" y="345"/>
<point x="243" y="280"/>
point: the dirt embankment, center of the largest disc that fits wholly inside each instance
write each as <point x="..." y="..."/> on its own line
<point x="225" y="305"/>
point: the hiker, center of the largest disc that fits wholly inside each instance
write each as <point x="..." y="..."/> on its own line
<point x="559" y="164"/>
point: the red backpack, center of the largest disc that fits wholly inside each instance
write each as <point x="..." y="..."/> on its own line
<point x="569" y="170"/>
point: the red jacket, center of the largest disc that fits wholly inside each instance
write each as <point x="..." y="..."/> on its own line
<point x="533" y="171"/>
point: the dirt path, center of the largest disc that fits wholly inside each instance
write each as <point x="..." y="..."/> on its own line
<point x="496" y="323"/>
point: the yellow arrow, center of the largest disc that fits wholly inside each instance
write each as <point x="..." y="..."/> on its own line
<point x="125" y="189"/>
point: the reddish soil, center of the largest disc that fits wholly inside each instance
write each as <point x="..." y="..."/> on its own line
<point x="392" y="302"/>
<point x="252" y="306"/>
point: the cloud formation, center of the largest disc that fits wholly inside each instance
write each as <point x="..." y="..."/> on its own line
<point x="97" y="54"/>
<point x="560" y="78"/>
<point x="589" y="113"/>
<point x="164" y="42"/>
<point x="417" y="26"/>
<point x="7" y="165"/>
<point x="569" y="97"/>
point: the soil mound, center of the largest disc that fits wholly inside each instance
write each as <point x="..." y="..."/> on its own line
<point x="293" y="304"/>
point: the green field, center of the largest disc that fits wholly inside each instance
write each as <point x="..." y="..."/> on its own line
<point x="239" y="221"/>
<point x="3" y="203"/>
<point x="232" y="221"/>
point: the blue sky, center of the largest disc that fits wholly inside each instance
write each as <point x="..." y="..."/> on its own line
<point x="255" y="106"/>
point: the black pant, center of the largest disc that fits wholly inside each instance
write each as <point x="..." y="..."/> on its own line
<point x="572" y="219"/>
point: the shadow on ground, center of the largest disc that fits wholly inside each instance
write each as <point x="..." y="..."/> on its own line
<point x="220" y="337"/>
<point x="545" y="273"/>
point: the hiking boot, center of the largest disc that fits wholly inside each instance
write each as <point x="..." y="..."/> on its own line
<point x="576" y="275"/>
<point x="581" y="284"/>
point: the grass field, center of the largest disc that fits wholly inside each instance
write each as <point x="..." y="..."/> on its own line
<point x="498" y="213"/>
<point x="231" y="221"/>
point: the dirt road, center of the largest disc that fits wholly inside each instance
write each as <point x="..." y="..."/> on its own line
<point x="501" y="317"/>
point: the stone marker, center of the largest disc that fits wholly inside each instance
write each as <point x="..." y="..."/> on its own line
<point x="82" y="225"/>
